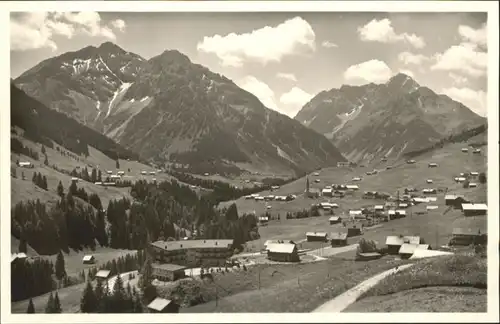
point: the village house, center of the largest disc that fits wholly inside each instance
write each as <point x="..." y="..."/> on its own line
<point x="192" y="253"/>
<point x="144" y="173"/>
<point x="460" y="179"/>
<point x="407" y="249"/>
<point x="429" y="181"/>
<point x="400" y="213"/>
<point x="477" y="151"/>
<point x="152" y="173"/>
<point x="338" y="239"/>
<point x="334" y="220"/>
<point x="403" y="205"/>
<point x="454" y="200"/>
<point x="356" y="214"/>
<point x="431" y="207"/>
<point x="474" y="209"/>
<point x="429" y="191"/>
<point x="327" y="192"/>
<point x="356" y="179"/>
<point x="109" y="172"/>
<point x="352" y="187"/>
<point x="161" y="305"/>
<point x="316" y="236"/>
<point x="353" y="230"/>
<point x="258" y="198"/>
<point x="472" y="185"/>
<point x="74" y="180"/>
<point x="284" y="252"/>
<point x="120" y="173"/>
<point x="268" y="197"/>
<point x="343" y="164"/>
<point x="168" y="272"/>
<point x="102" y="275"/>
<point x="378" y="208"/>
<point x="263" y="220"/>
<point x="474" y="174"/>
<point x="432" y="165"/>
<point x="466" y="236"/>
<point x="270" y="242"/>
<point x="338" y="194"/>
<point x="88" y="259"/>
<point x="395" y="242"/>
<point x="411" y="162"/>
<point x="25" y="165"/>
<point x="465" y="150"/>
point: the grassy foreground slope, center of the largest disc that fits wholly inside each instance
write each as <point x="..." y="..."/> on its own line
<point x="448" y="283"/>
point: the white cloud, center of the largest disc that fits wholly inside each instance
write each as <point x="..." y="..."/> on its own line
<point x="264" y="45"/>
<point x="36" y="30"/>
<point x="464" y="58"/>
<point x="294" y="100"/>
<point x="382" y="31"/>
<point x="457" y="79"/>
<point x="329" y="44"/>
<point x="476" y="36"/>
<point x="119" y="24"/>
<point x="367" y="72"/>
<point x="259" y="89"/>
<point x="407" y="72"/>
<point x="475" y="100"/>
<point x="409" y="58"/>
<point x="288" y="76"/>
<point x="469" y="57"/>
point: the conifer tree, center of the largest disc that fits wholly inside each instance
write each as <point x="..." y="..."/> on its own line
<point x="60" y="189"/>
<point x="44" y="183"/>
<point x="60" y="268"/>
<point x="49" y="308"/>
<point x="57" y="304"/>
<point x="46" y="161"/>
<point x="89" y="302"/>
<point x="43" y="149"/>
<point x="23" y="248"/>
<point x="31" y="307"/>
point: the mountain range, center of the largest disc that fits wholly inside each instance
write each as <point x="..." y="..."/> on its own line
<point x="385" y="120"/>
<point x="169" y="109"/>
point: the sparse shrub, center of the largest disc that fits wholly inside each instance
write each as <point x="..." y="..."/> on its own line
<point x="366" y="246"/>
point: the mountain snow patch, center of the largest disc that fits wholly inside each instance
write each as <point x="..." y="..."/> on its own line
<point x="118" y="92"/>
<point x="145" y="98"/>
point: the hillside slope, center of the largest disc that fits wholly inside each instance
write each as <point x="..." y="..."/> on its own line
<point x="169" y="109"/>
<point x="385" y="120"/>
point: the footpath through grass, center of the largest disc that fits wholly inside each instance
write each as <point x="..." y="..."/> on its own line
<point x="283" y="287"/>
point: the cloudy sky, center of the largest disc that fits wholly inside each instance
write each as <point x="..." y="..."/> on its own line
<point x="283" y="58"/>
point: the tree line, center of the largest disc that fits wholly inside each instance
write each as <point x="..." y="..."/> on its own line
<point x="454" y="138"/>
<point x="223" y="191"/>
<point x="67" y="224"/>
<point x="17" y="146"/>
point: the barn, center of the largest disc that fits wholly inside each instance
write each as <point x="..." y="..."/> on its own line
<point x="167" y="271"/>
<point x="316" y="236"/>
<point x="474" y="209"/>
<point x="334" y="220"/>
<point x="338" y="239"/>
<point x="284" y="252"/>
<point x="406" y="250"/>
<point x="88" y="259"/>
<point x="466" y="236"/>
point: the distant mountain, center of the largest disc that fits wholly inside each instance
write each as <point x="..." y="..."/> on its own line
<point x="170" y="109"/>
<point x="44" y="125"/>
<point x="372" y="121"/>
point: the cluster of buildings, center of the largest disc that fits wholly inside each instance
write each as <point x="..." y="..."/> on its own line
<point x="258" y="197"/>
